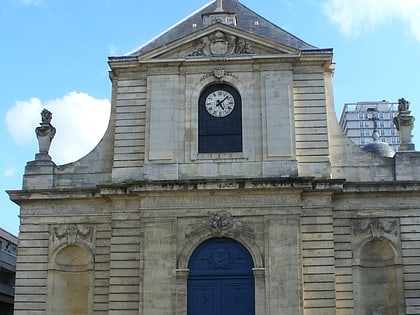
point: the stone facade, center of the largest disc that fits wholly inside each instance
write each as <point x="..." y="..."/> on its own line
<point x="331" y="229"/>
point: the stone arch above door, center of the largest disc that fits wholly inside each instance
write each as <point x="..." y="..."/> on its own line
<point x="220" y="224"/>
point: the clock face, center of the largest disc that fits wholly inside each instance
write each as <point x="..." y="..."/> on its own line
<point x="219" y="103"/>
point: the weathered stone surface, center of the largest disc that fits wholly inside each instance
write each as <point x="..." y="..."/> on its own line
<point x="327" y="225"/>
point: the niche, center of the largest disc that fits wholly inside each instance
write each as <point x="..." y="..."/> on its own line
<point x="377" y="280"/>
<point x="70" y="280"/>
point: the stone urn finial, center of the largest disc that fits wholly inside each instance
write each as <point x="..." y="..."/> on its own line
<point x="405" y="124"/>
<point x="44" y="133"/>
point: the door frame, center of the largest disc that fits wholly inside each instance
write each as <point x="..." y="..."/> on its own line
<point x="182" y="270"/>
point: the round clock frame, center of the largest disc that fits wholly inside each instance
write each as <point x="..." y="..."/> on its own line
<point x="219" y="103"/>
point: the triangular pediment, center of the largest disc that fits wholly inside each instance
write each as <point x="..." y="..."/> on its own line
<point x="219" y="41"/>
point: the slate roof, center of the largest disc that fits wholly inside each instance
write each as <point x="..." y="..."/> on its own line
<point x="246" y="19"/>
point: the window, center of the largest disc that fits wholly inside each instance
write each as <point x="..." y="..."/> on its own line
<point x="220" y="120"/>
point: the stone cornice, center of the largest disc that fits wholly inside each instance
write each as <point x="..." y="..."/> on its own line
<point x="298" y="184"/>
<point x="388" y="186"/>
<point x="294" y="183"/>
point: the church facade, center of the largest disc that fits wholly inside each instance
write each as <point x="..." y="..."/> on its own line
<point x="223" y="185"/>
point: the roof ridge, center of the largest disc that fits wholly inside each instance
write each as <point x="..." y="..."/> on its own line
<point x="247" y="20"/>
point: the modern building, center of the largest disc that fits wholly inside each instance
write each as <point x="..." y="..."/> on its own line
<point x="358" y="121"/>
<point x="223" y="185"/>
<point x="8" y="251"/>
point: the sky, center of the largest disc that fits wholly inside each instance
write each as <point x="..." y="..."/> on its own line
<point x="54" y="55"/>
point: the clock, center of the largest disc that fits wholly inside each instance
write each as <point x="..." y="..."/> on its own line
<point x="219" y="103"/>
<point x="219" y="119"/>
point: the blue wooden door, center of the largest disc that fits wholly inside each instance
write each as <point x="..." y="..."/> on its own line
<point x="220" y="280"/>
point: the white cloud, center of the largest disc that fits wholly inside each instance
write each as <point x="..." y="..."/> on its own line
<point x="80" y="120"/>
<point x="22" y="119"/>
<point x="355" y="17"/>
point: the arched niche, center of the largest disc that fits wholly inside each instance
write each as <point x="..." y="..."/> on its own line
<point x="70" y="280"/>
<point x="377" y="278"/>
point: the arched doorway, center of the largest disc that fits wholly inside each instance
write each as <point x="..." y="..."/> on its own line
<point x="220" y="280"/>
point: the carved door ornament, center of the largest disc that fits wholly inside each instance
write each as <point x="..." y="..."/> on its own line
<point x="221" y="224"/>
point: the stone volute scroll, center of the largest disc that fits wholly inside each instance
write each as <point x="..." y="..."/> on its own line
<point x="45" y="134"/>
<point x="405" y="124"/>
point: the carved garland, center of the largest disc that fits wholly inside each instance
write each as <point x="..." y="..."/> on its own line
<point x="72" y="234"/>
<point x="221" y="224"/>
<point x="376" y="228"/>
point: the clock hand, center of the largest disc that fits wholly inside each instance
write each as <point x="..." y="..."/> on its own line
<point x="224" y="99"/>
<point x="219" y="103"/>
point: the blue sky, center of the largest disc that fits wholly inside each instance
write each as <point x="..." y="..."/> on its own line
<point x="54" y="55"/>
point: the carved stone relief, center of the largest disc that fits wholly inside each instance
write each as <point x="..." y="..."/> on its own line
<point x="70" y="235"/>
<point x="220" y="224"/>
<point x="221" y="44"/>
<point x="376" y="227"/>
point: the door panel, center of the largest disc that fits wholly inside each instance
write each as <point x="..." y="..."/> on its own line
<point x="238" y="297"/>
<point x="221" y="280"/>
<point x="203" y="298"/>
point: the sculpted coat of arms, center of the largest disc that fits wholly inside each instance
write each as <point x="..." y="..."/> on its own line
<point x="221" y="44"/>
